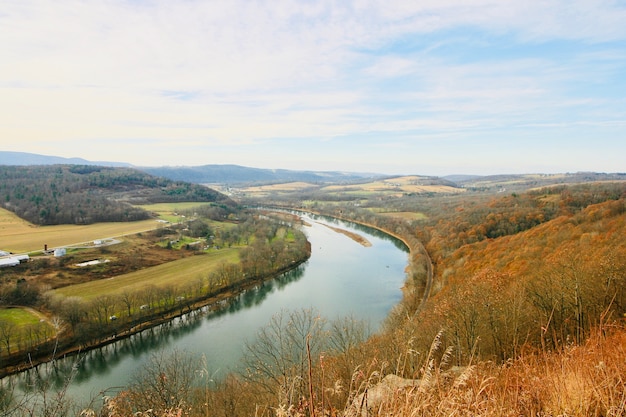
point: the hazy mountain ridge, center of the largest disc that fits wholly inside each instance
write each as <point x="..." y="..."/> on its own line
<point x="204" y="174"/>
<point x="24" y="158"/>
<point x="230" y="174"/>
<point x="237" y="174"/>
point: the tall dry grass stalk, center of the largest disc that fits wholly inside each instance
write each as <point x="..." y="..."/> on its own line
<point x="577" y="380"/>
<point x="585" y="380"/>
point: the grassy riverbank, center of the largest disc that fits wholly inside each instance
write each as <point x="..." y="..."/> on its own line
<point x="137" y="282"/>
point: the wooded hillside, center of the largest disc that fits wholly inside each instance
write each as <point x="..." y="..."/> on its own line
<point x="525" y="317"/>
<point x="82" y="194"/>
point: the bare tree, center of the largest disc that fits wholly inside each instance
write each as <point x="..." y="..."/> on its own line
<point x="7" y="331"/>
<point x="129" y="299"/>
<point x="277" y="359"/>
<point x="163" y="385"/>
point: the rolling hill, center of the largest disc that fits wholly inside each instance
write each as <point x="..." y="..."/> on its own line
<point x="84" y="194"/>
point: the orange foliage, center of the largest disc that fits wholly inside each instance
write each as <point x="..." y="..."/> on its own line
<point x="547" y="285"/>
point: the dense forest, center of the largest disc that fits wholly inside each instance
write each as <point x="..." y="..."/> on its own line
<point x="85" y="194"/>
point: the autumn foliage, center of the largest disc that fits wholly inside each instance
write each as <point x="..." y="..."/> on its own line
<point x="526" y="317"/>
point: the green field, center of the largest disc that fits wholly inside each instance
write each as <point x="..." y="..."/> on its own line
<point x="20" y="317"/>
<point x="20" y="325"/>
<point x="171" y="211"/>
<point x="171" y="273"/>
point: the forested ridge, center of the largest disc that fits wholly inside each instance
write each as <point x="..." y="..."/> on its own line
<point x="85" y="194"/>
<point x="549" y="285"/>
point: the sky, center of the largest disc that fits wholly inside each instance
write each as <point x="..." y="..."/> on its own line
<point x="429" y="87"/>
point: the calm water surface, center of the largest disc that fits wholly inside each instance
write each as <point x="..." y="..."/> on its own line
<point x="342" y="278"/>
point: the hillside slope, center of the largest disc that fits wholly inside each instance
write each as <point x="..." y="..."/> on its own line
<point x="82" y="194"/>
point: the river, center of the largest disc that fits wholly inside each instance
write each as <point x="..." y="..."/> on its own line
<point x="342" y="278"/>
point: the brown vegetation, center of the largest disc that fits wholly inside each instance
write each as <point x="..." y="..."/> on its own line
<point x="525" y="316"/>
<point x="530" y="291"/>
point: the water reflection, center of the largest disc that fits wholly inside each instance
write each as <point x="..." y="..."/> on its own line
<point x="357" y="226"/>
<point x="343" y="278"/>
<point x="98" y="362"/>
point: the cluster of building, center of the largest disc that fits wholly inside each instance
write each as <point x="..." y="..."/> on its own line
<point x="9" y="259"/>
<point x="6" y="259"/>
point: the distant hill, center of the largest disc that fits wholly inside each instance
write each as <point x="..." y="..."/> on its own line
<point x="520" y="182"/>
<point x="239" y="176"/>
<point x="24" y="158"/>
<point x="204" y="174"/>
<point x="236" y="174"/>
<point x="84" y="194"/>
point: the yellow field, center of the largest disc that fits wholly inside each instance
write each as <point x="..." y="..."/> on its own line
<point x="405" y="215"/>
<point x="20" y="236"/>
<point x="288" y="186"/>
<point x="174" y="273"/>
<point x="408" y="184"/>
<point x="265" y="190"/>
<point x="170" y="208"/>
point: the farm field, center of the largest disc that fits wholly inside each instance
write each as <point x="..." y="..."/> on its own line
<point x="19" y="236"/>
<point x="19" y="317"/>
<point x="390" y="187"/>
<point x="174" y="272"/>
<point x="407" y="184"/>
<point x="405" y="215"/>
<point x="288" y="186"/>
<point x="260" y="191"/>
<point x="17" y="325"/>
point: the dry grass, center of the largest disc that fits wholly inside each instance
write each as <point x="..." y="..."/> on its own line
<point x="587" y="380"/>
<point x="19" y="236"/>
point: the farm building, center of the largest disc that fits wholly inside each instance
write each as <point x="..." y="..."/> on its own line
<point x="21" y="258"/>
<point x="4" y="262"/>
<point x="60" y="252"/>
<point x="13" y="260"/>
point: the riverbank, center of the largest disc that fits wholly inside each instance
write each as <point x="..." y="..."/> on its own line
<point x="65" y="347"/>
<point x="416" y="250"/>
<point x="354" y="236"/>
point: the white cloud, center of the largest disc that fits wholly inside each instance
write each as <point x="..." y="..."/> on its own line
<point x="198" y="73"/>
